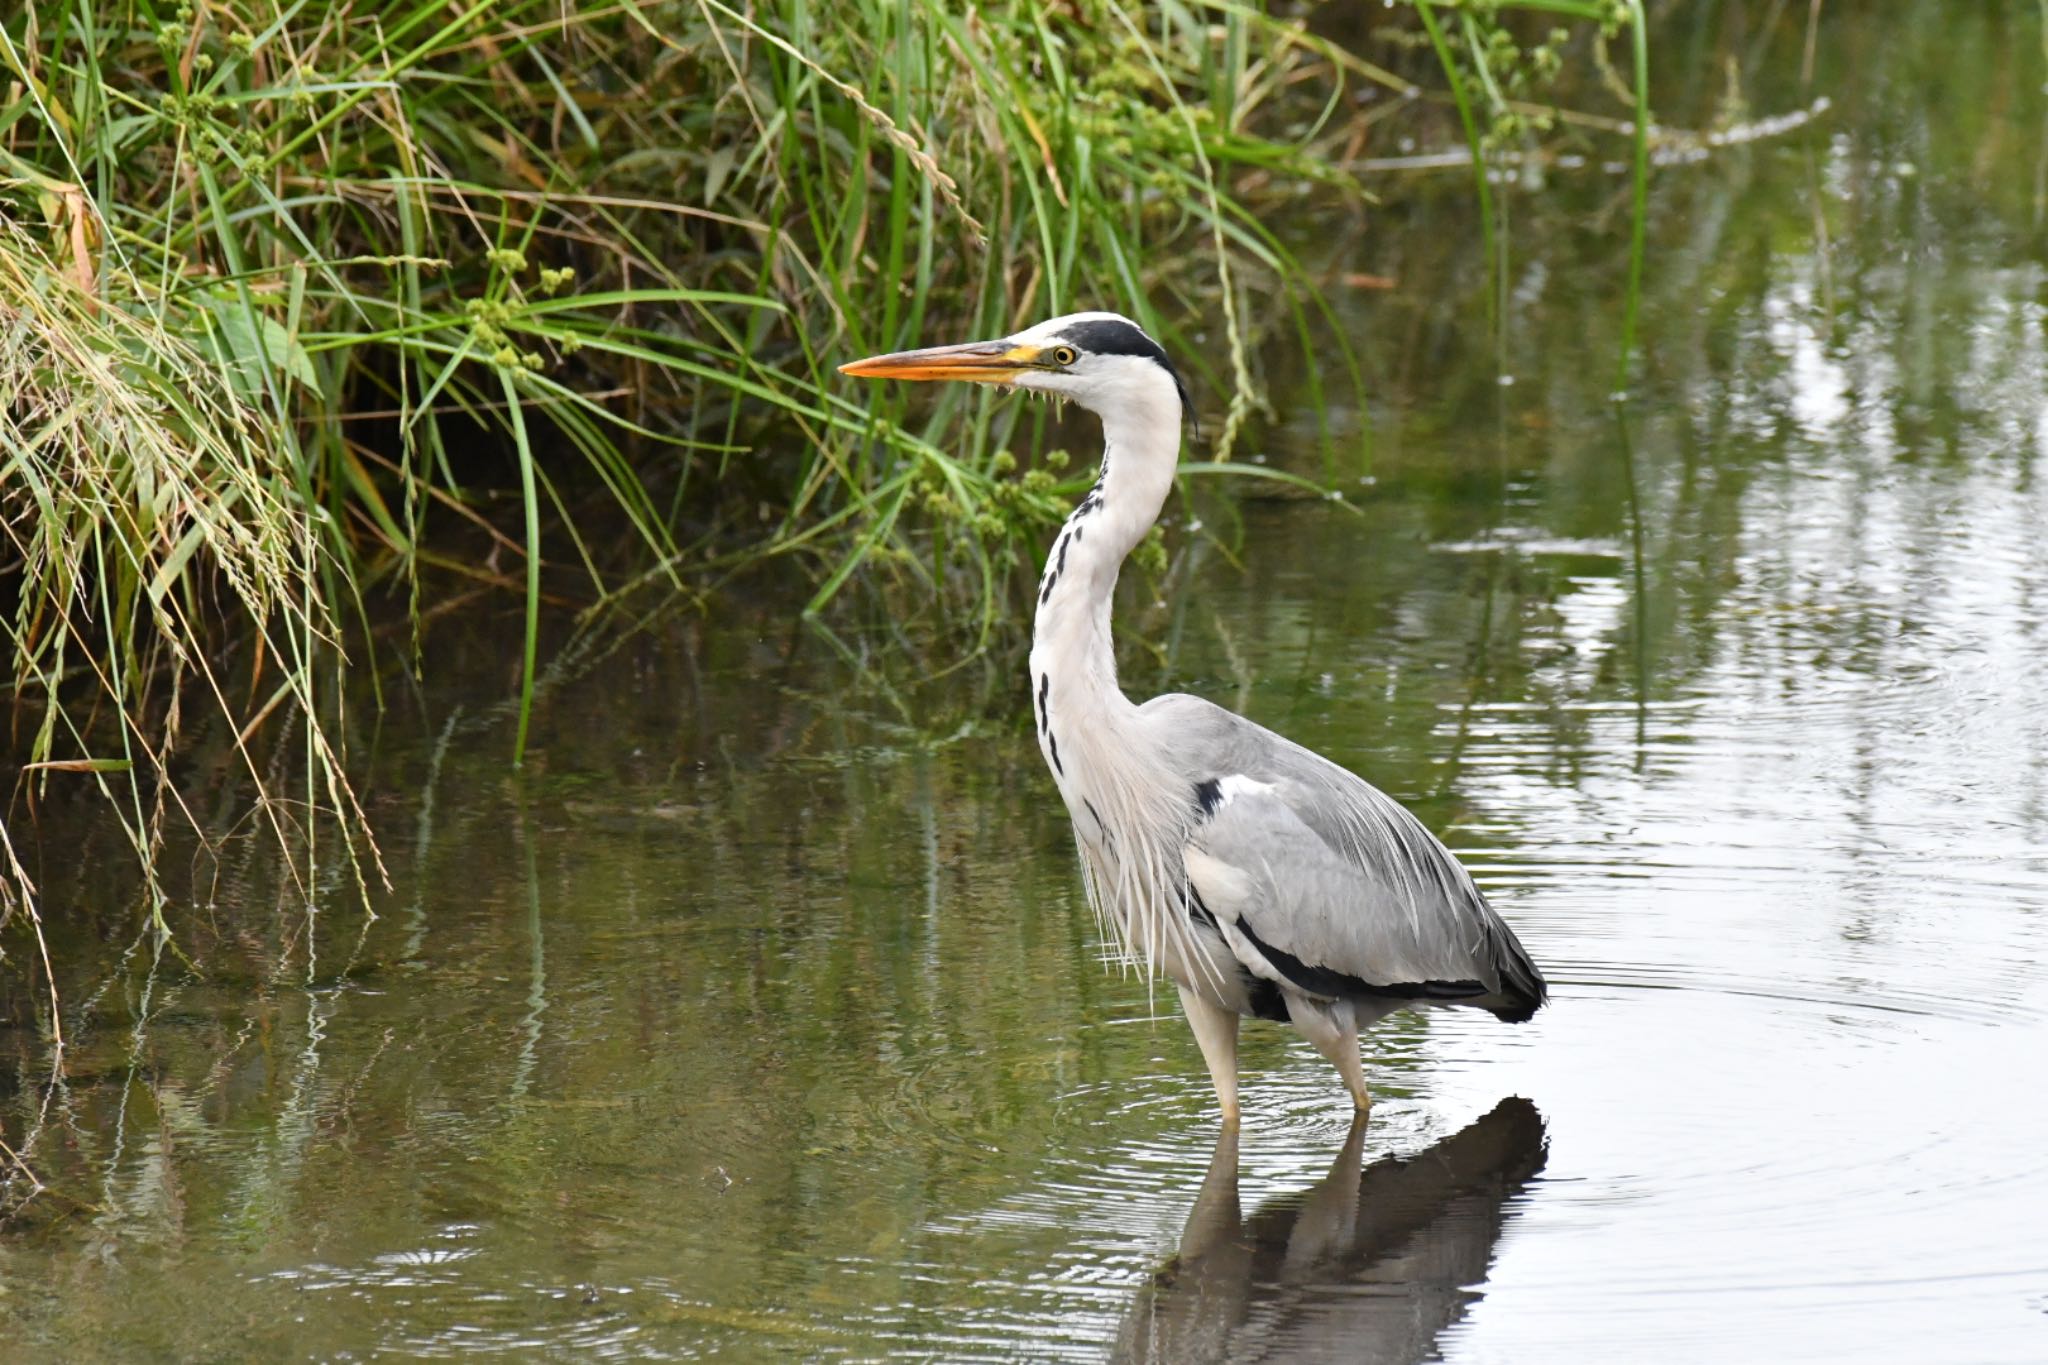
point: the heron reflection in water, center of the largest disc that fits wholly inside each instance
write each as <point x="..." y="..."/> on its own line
<point x="1262" y="878"/>
<point x="1369" y="1265"/>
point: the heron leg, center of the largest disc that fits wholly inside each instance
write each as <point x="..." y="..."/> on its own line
<point x="1335" y="1034"/>
<point x="1216" y="1034"/>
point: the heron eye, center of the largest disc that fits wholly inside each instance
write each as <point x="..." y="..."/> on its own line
<point x="1064" y="355"/>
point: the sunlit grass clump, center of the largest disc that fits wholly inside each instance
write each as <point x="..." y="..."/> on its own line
<point x="144" y="500"/>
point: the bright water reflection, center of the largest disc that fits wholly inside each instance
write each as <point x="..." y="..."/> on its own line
<point x="761" y="1015"/>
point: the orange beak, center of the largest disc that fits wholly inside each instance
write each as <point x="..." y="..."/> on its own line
<point x="980" y="362"/>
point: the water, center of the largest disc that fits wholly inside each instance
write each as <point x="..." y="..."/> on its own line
<point x="761" y="1015"/>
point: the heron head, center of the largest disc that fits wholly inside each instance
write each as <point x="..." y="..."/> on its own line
<point x="1103" y="361"/>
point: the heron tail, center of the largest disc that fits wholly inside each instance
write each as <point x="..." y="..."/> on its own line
<point x="1522" y="988"/>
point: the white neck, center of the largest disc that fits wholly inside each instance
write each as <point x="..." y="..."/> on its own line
<point x="1073" y="657"/>
<point x="1126" y="809"/>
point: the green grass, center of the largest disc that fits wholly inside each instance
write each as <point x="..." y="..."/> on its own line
<point x="291" y="290"/>
<point x="144" y="499"/>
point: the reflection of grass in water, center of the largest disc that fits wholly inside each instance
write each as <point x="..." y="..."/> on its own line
<point x="1482" y="62"/>
<point x="1469" y="67"/>
<point x="1639" y="172"/>
<point x="1475" y="57"/>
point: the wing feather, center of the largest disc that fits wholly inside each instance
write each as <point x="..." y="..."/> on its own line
<point x="1322" y="882"/>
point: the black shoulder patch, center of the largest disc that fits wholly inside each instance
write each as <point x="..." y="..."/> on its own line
<point x="1208" y="796"/>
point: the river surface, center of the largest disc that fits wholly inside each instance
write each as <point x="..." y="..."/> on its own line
<point x="761" y="1015"/>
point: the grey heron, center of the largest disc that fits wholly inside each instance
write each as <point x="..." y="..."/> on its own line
<point x="1261" y="878"/>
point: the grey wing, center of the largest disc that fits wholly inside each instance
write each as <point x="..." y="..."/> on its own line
<point x="1322" y="883"/>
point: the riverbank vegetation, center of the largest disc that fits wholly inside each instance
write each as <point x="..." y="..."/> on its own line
<point x="310" y="311"/>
